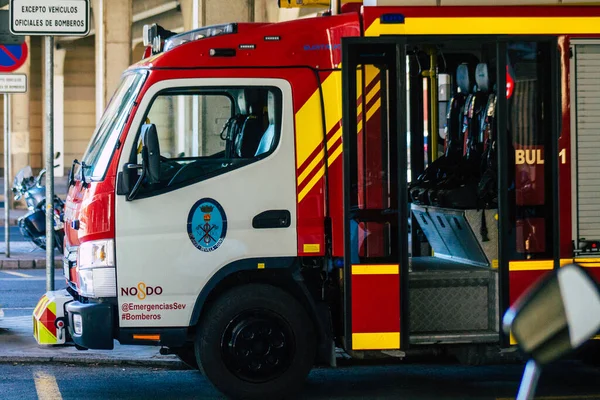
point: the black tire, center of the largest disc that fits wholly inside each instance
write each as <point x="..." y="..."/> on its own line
<point x="256" y="342"/>
<point x="187" y="355"/>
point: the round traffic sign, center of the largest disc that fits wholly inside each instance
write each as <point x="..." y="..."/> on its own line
<point x="12" y="56"/>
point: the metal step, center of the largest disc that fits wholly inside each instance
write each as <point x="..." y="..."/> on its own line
<point x="455" y="338"/>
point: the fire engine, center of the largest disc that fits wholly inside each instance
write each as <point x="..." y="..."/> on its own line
<point x="382" y="179"/>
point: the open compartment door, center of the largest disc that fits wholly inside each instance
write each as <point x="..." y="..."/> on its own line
<point x="375" y="200"/>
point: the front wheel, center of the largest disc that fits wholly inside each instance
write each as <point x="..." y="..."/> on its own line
<point x="256" y="342"/>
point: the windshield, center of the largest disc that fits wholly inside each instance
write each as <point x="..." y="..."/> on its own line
<point x="23" y="174"/>
<point x="101" y="148"/>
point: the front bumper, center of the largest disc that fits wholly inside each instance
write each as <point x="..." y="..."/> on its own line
<point x="96" y="325"/>
<point x="49" y="321"/>
<point x="53" y="322"/>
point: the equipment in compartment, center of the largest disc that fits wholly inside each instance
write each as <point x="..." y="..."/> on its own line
<point x="457" y="234"/>
<point x="464" y="177"/>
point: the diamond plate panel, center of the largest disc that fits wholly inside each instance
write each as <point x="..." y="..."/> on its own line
<point x="450" y="306"/>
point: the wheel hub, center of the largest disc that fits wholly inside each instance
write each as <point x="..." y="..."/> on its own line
<point x="257" y="346"/>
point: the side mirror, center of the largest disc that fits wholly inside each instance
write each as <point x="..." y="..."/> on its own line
<point x="555" y="317"/>
<point x="151" y="153"/>
<point x="150" y="167"/>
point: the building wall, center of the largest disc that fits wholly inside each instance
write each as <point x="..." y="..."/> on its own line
<point x="36" y="104"/>
<point x="80" y="98"/>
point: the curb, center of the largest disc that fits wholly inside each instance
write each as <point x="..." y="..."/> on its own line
<point x="170" y="364"/>
<point x="30" y="263"/>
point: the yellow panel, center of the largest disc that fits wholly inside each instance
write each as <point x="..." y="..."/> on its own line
<point x="261" y="266"/>
<point x="375" y="269"/>
<point x="488" y="26"/>
<point x="545" y="265"/>
<point x="587" y="260"/>
<point x="376" y="341"/>
<point x="312" y="248"/>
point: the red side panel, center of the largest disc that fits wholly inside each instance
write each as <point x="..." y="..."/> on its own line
<point x="375" y="307"/>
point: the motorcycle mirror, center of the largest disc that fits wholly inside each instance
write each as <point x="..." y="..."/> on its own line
<point x="557" y="316"/>
<point x="553" y="318"/>
<point x="40" y="176"/>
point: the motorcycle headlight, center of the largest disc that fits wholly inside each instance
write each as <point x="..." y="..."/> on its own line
<point x="96" y="268"/>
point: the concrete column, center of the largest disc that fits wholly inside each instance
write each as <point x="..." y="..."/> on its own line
<point x="20" y="134"/>
<point x="213" y="12"/>
<point x="112" y="19"/>
<point x="59" y="111"/>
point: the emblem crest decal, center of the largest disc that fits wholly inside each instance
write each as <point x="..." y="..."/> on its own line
<point x="207" y="225"/>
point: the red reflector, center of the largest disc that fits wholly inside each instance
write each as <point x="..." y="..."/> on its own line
<point x="594" y="245"/>
<point x="510" y="84"/>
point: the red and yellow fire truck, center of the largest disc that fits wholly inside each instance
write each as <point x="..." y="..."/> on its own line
<point x="384" y="179"/>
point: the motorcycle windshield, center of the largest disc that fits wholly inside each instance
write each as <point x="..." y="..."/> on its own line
<point x="102" y="146"/>
<point x="23" y="174"/>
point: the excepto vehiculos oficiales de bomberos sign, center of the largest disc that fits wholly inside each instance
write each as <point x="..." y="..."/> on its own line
<point x="50" y="17"/>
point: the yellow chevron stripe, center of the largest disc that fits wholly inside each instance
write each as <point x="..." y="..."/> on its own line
<point x="42" y="306"/>
<point x="43" y="334"/>
<point x="311" y="184"/>
<point x="334" y="156"/>
<point x="488" y="25"/>
<point x="309" y="133"/>
<point x="314" y="163"/>
<point x="37" y="307"/>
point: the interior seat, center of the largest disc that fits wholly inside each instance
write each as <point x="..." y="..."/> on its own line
<point x="474" y="114"/>
<point x="247" y="141"/>
<point x="453" y="128"/>
<point x="268" y="138"/>
<point x="442" y="167"/>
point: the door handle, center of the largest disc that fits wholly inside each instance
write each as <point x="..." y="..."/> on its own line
<point x="272" y="219"/>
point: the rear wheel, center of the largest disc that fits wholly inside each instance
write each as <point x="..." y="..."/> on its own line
<point x="256" y="342"/>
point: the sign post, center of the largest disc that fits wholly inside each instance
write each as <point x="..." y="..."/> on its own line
<point x="9" y="83"/>
<point x="13" y="54"/>
<point x="50" y="18"/>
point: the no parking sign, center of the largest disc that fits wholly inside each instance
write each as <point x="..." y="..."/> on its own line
<point x="12" y="56"/>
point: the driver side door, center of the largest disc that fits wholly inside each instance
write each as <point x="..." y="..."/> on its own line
<point x="227" y="158"/>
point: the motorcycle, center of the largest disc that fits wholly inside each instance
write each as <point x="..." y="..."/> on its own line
<point x="33" y="224"/>
<point x="555" y="318"/>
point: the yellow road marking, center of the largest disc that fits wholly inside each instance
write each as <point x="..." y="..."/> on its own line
<point x="19" y="274"/>
<point x="46" y="386"/>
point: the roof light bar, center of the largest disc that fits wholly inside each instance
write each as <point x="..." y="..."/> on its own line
<point x="197" y="34"/>
<point x="153" y="36"/>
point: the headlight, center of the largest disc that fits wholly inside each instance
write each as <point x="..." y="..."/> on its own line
<point x="95" y="254"/>
<point x="96" y="269"/>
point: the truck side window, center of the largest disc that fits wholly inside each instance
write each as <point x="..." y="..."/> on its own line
<point x="204" y="133"/>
